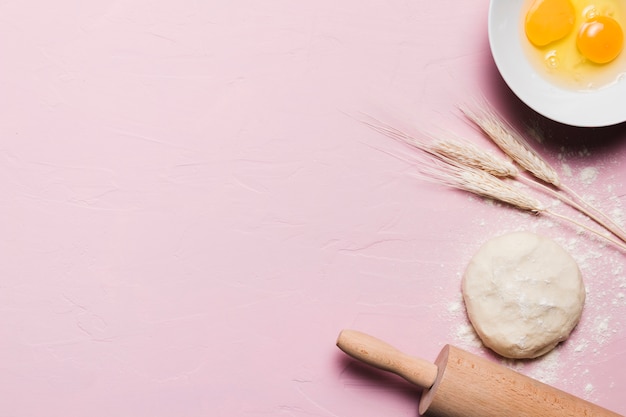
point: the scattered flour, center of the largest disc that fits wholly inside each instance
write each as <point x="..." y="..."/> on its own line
<point x="567" y="170"/>
<point x="602" y="266"/>
<point x="548" y="371"/>
<point x="582" y="346"/>
<point x="588" y="175"/>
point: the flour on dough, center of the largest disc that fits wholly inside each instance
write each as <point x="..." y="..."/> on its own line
<point x="523" y="293"/>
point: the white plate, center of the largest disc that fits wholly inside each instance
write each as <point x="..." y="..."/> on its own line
<point x="601" y="107"/>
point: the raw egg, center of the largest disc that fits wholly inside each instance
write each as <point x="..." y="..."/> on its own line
<point x="576" y="44"/>
<point x="600" y="39"/>
<point x="549" y="20"/>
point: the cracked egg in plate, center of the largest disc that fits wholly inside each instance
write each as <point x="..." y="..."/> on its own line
<point x="564" y="58"/>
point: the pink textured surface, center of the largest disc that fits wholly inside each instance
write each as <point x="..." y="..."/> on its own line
<point x="189" y="216"/>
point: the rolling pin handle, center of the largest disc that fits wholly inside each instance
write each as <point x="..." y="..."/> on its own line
<point x="383" y="356"/>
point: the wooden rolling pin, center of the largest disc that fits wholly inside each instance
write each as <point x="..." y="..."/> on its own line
<point x="460" y="384"/>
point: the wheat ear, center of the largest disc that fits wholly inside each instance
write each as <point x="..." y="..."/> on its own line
<point x="470" y="155"/>
<point x="513" y="144"/>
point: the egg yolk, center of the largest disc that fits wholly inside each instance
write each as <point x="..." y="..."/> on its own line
<point x="600" y="40"/>
<point x="549" y="20"/>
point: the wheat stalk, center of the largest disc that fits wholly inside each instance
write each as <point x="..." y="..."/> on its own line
<point x="594" y="213"/>
<point x="511" y="142"/>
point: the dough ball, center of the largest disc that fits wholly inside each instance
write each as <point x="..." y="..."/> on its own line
<point x="523" y="293"/>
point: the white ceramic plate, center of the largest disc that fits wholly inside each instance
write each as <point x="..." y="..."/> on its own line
<point x="602" y="107"/>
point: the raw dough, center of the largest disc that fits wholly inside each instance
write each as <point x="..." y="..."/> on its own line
<point x="523" y="293"/>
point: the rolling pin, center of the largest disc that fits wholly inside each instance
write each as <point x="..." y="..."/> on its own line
<point x="460" y="384"/>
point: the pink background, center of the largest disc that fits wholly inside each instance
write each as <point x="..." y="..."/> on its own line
<point x="190" y="215"/>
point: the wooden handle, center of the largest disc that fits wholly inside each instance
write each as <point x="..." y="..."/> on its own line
<point x="381" y="355"/>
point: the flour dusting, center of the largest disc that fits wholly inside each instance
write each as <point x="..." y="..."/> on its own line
<point x="588" y="175"/>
